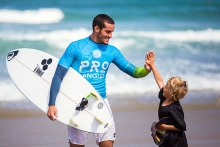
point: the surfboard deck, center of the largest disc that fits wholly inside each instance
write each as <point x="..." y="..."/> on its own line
<point x="32" y="71"/>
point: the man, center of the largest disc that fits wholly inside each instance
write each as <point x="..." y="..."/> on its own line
<point x="88" y="56"/>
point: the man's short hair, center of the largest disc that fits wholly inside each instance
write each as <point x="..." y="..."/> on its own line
<point x="100" y="20"/>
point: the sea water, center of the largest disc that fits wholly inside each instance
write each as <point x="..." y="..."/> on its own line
<point x="185" y="35"/>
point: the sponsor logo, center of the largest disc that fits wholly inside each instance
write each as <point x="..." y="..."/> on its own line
<point x="94" y="75"/>
<point x="11" y="55"/>
<point x="45" y="63"/>
<point x="87" y="57"/>
<point x="96" y="54"/>
<point x="94" y="65"/>
<point x="100" y="105"/>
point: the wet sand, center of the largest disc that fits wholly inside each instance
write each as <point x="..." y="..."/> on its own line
<point x="29" y="127"/>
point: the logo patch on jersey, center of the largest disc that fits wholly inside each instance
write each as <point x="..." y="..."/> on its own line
<point x="87" y="57"/>
<point x="96" y="53"/>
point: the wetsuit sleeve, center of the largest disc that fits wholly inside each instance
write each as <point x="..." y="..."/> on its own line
<point x="64" y="64"/>
<point x="140" y="72"/>
<point x="56" y="82"/>
<point x="127" y="67"/>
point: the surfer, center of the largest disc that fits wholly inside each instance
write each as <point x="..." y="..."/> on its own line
<point x="169" y="95"/>
<point x="92" y="56"/>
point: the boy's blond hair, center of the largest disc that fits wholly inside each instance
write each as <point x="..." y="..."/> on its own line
<point x="177" y="87"/>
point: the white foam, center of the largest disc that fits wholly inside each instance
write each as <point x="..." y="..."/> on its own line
<point x="118" y="83"/>
<point x="125" y="86"/>
<point x="188" y="35"/>
<point x="196" y="73"/>
<point x="58" y="38"/>
<point x="121" y="39"/>
<point x="129" y="86"/>
<point x="40" y="16"/>
<point x="9" y="92"/>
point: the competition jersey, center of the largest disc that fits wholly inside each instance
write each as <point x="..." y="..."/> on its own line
<point x="92" y="61"/>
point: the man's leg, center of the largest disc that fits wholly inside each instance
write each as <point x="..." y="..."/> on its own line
<point x="75" y="145"/>
<point x="77" y="138"/>
<point x="106" y="143"/>
<point x="106" y="139"/>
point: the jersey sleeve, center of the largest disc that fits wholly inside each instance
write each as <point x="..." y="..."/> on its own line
<point x="127" y="67"/>
<point x="64" y="64"/>
<point x="69" y="56"/>
<point x="56" y="82"/>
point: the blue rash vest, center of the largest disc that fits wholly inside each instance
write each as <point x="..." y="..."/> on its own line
<point x="92" y="61"/>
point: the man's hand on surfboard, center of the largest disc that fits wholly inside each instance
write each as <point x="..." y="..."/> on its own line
<point x="52" y="112"/>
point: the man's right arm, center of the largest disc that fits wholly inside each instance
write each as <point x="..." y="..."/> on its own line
<point x="60" y="73"/>
<point x="56" y="82"/>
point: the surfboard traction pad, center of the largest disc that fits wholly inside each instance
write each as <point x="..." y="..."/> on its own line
<point x="83" y="104"/>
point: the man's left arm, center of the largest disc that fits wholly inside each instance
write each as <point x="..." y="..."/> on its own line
<point x="130" y="69"/>
<point x="136" y="72"/>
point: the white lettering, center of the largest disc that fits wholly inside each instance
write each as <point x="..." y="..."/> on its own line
<point x="95" y="65"/>
<point x="84" y="75"/>
<point x="105" y="65"/>
<point x="94" y="76"/>
<point x="83" y="65"/>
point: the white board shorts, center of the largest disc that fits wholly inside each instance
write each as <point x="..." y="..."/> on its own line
<point x="78" y="137"/>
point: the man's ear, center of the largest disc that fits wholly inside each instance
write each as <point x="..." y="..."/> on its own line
<point x="96" y="29"/>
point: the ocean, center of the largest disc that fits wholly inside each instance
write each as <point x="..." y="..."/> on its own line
<point x="185" y="35"/>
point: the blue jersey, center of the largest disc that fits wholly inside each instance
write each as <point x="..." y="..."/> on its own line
<point x="92" y="61"/>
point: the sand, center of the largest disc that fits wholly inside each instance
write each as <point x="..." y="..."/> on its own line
<point x="27" y="126"/>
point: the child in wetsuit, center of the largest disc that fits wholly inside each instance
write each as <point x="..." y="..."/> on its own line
<point x="169" y="106"/>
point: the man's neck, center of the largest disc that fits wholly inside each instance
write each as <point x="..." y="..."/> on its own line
<point x="93" y="38"/>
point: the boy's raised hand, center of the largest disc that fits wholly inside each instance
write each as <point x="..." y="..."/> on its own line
<point x="149" y="59"/>
<point x="146" y="66"/>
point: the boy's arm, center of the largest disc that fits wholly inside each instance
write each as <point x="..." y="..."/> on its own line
<point x="167" y="127"/>
<point x="150" y="62"/>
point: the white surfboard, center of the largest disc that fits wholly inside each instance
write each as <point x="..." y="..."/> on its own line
<point x="32" y="72"/>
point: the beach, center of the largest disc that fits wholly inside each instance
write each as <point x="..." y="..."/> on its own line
<point x="30" y="127"/>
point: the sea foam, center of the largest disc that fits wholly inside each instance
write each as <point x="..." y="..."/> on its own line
<point x="121" y="39"/>
<point x="40" y="16"/>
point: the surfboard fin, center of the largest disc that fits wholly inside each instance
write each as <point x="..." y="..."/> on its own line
<point x="94" y="95"/>
<point x="99" y="120"/>
<point x="74" y="123"/>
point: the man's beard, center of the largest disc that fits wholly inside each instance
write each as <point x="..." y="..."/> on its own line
<point x="100" y="38"/>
